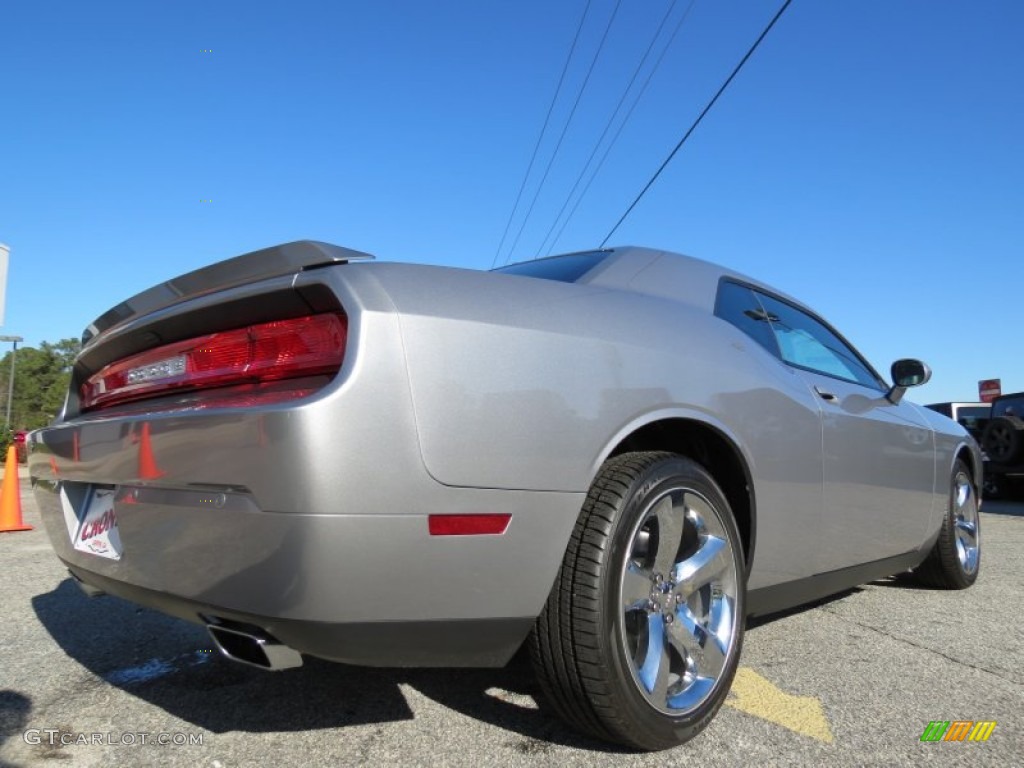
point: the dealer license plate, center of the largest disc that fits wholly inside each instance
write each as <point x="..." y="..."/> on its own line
<point x="97" y="533"/>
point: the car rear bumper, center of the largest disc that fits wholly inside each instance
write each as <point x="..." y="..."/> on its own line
<point x="372" y="588"/>
<point x="455" y="643"/>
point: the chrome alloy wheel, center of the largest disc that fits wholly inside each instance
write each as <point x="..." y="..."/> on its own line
<point x="965" y="522"/>
<point x="678" y="592"/>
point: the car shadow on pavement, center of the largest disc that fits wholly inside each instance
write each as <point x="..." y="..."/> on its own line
<point x="172" y="664"/>
<point x="508" y="698"/>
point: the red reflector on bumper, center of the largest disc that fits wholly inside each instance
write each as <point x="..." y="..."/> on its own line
<point x="468" y="525"/>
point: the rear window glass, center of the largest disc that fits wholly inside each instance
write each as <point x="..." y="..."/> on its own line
<point x="565" y="269"/>
<point x="974" y="412"/>
<point x="1009" y="406"/>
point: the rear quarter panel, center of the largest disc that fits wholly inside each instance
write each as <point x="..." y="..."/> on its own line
<point x="519" y="382"/>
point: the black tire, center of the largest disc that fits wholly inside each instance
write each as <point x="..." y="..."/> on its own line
<point x="955" y="560"/>
<point x="587" y="643"/>
<point x="1002" y="438"/>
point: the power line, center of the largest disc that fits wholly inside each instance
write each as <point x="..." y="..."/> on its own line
<point x="611" y="120"/>
<point x="547" y="118"/>
<point x="565" y="128"/>
<point x="622" y="125"/>
<point x="700" y="117"/>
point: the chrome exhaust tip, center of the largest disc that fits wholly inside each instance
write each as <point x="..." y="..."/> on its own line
<point x="253" y="647"/>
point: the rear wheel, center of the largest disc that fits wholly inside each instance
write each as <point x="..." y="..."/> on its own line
<point x="640" y="638"/>
<point x="955" y="559"/>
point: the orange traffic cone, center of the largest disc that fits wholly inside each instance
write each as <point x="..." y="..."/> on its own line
<point x="148" y="470"/>
<point x="10" y="496"/>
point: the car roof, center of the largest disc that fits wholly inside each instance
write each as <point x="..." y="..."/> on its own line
<point x="664" y="273"/>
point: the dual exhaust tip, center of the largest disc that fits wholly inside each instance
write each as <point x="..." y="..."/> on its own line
<point x="253" y="647"/>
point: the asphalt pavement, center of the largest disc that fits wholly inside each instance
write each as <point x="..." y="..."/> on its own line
<point x="851" y="681"/>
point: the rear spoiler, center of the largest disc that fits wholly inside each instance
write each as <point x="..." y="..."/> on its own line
<point x="249" y="268"/>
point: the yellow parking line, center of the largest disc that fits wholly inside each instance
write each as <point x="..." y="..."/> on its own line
<point x="759" y="697"/>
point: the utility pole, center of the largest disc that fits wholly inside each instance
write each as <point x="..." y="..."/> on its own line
<point x="10" y="383"/>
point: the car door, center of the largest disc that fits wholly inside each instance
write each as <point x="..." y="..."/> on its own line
<point x="780" y="424"/>
<point x="878" y="458"/>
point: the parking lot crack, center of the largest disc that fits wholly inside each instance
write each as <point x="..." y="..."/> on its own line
<point x="906" y="641"/>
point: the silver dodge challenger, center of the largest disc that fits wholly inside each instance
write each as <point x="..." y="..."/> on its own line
<point x="613" y="457"/>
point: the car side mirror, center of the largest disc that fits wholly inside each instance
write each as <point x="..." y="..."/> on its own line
<point x="907" y="373"/>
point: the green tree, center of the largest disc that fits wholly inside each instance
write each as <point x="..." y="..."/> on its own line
<point x="41" y="379"/>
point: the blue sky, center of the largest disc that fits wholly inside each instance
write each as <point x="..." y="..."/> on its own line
<point x="869" y="159"/>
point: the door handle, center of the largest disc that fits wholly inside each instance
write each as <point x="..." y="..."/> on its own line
<point x="824" y="394"/>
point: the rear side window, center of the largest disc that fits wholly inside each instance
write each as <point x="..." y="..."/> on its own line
<point x="565" y="269"/>
<point x="738" y="305"/>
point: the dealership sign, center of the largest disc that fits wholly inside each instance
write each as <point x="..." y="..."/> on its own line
<point x="989" y="390"/>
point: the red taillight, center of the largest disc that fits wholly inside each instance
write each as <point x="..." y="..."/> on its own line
<point x="284" y="349"/>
